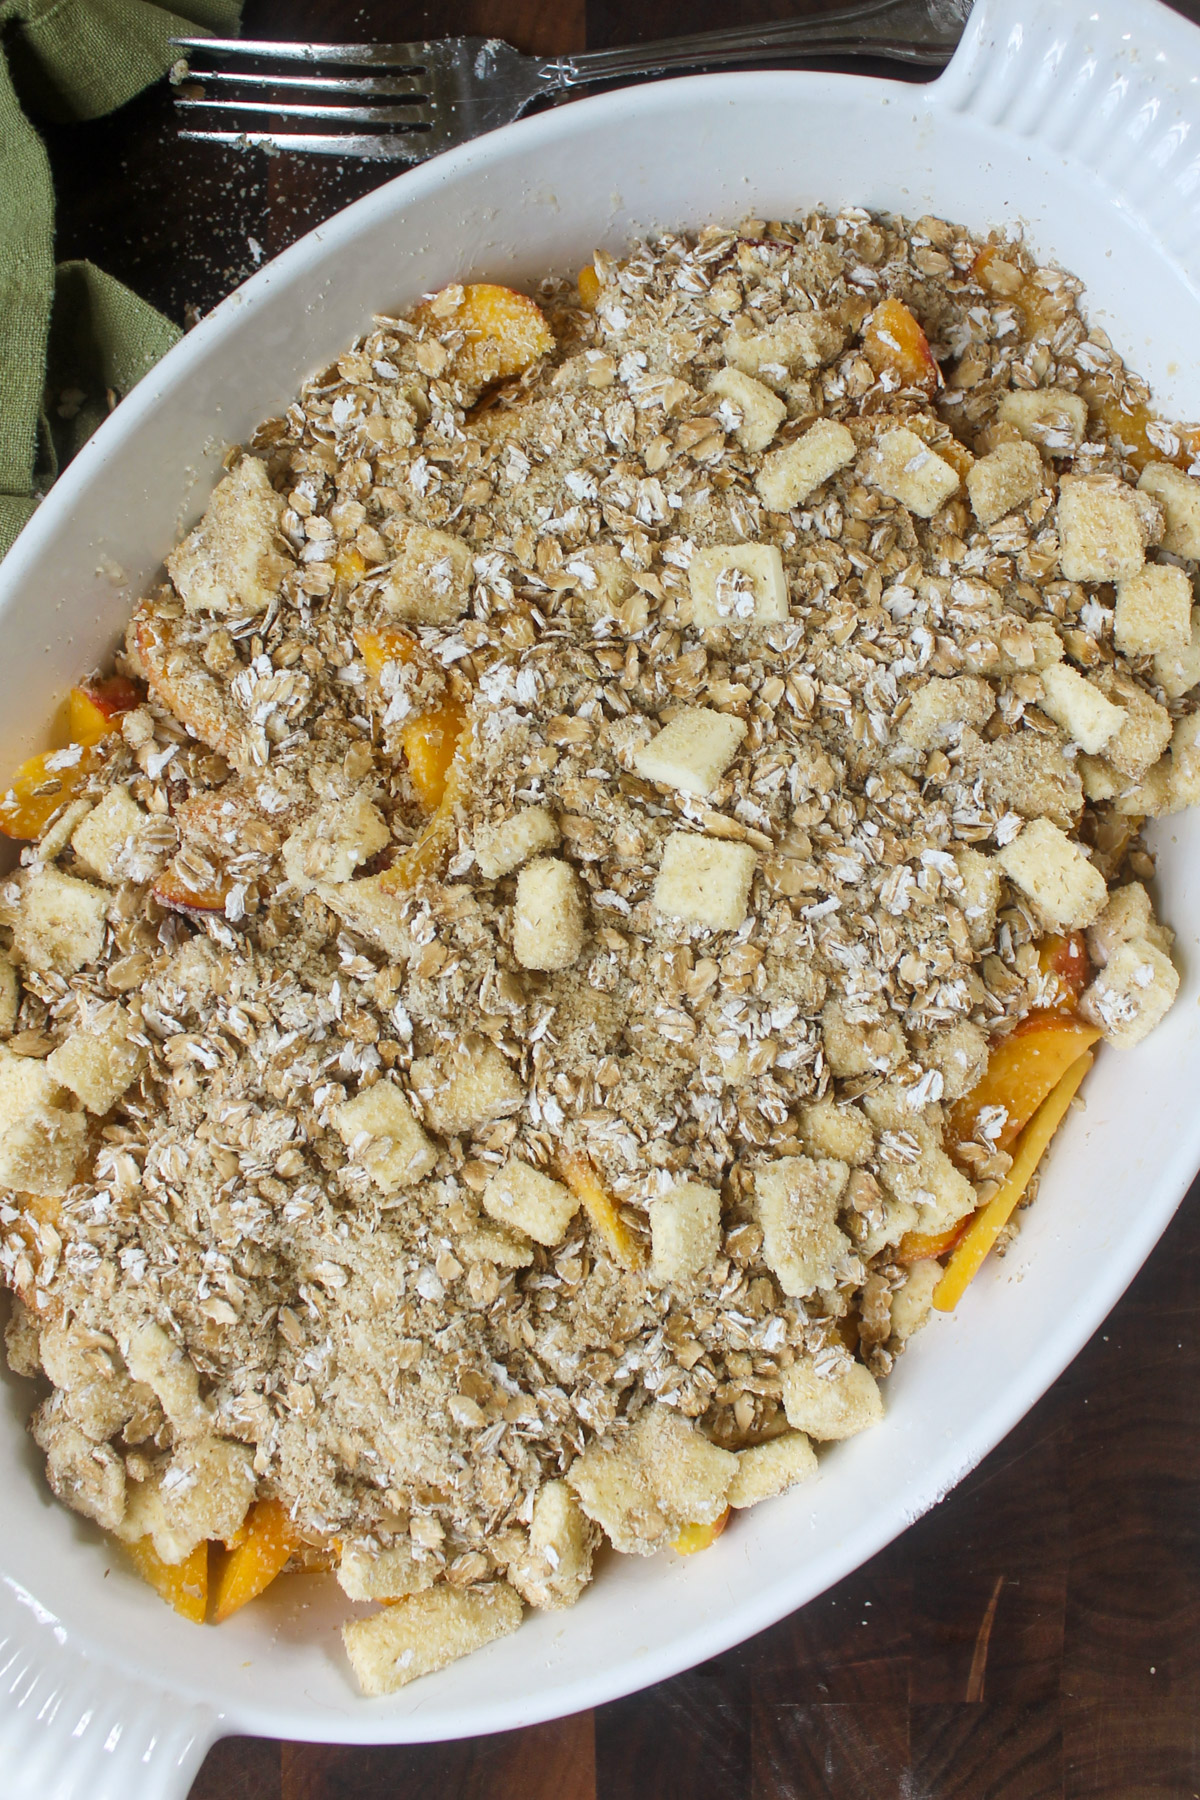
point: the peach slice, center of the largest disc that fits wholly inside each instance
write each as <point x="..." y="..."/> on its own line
<point x="430" y="742"/>
<point x="1022" y="1070"/>
<point x="379" y="648"/>
<point x="94" y="708"/>
<point x="171" y="890"/>
<point x="700" y="1537"/>
<point x="183" y="1585"/>
<point x="893" y="340"/>
<point x="249" y="1569"/>
<point x="593" y="1196"/>
<point x="589" y="286"/>
<point x="503" y="333"/>
<point x="41" y="785"/>
<point x="916" y="1246"/>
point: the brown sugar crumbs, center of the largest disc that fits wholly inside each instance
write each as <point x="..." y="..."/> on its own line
<point x="482" y="1039"/>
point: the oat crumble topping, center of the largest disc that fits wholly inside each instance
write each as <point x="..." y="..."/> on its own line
<point x="800" y="700"/>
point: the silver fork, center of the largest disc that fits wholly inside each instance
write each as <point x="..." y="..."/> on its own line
<point x="438" y="94"/>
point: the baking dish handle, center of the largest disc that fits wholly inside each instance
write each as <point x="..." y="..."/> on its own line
<point x="72" y="1728"/>
<point x="1114" y="90"/>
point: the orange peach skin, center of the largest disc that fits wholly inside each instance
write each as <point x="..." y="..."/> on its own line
<point x="183" y="1585"/>
<point x="700" y="1537"/>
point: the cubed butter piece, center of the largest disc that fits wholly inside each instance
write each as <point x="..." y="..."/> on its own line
<point x="704" y="881"/>
<point x="790" y="474"/>
<point x="797" y="1199"/>
<point x="1102" y="530"/>
<point x="333" y="843"/>
<point x="469" y="1088"/>
<point x="40" y="1152"/>
<point x="839" y="1129"/>
<point x="1178" y="671"/>
<point x="685" y="1231"/>
<point x="1088" y="719"/>
<point x="830" y="1401"/>
<point x="549" y="918"/>
<point x="939" y="709"/>
<point x="1179" y="497"/>
<point x="1006" y="478"/>
<point x="1127" y="914"/>
<point x="59" y="922"/>
<point x="1183" y="777"/>
<point x="979" y="880"/>
<point x="912" y="1303"/>
<point x="1053" y="872"/>
<point x="499" y="849"/>
<point x="99" y="1063"/>
<point x="903" y="467"/>
<point x="234" y="561"/>
<point x="525" y="1199"/>
<point x="1154" y="612"/>
<point x="111" y="841"/>
<point x="794" y="341"/>
<point x="378" y="1128"/>
<point x="429" y="582"/>
<point x="747" y="408"/>
<point x="765" y="1470"/>
<point x="426" y="1631"/>
<point x="738" y="585"/>
<point x="1053" y="418"/>
<point x="643" y="1487"/>
<point x="390" y="1574"/>
<point x="1133" y="992"/>
<point x="557" y="1566"/>
<point x="692" y="752"/>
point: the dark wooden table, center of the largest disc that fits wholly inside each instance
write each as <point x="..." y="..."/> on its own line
<point x="1037" y="1636"/>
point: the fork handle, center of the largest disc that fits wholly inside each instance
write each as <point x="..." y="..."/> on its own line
<point x="914" y="31"/>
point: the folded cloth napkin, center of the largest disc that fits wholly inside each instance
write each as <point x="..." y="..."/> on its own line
<point x="72" y="60"/>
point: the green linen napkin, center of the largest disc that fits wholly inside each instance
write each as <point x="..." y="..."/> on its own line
<point x="74" y="327"/>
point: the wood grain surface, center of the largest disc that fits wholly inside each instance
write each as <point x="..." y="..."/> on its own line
<point x="1036" y="1636"/>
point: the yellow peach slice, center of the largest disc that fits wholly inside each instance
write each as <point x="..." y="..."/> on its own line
<point x="700" y="1537"/>
<point x="249" y="1569"/>
<point x="893" y="340"/>
<point x="597" y="1203"/>
<point x="1022" y="1069"/>
<point x="502" y="332"/>
<point x="183" y="1585"/>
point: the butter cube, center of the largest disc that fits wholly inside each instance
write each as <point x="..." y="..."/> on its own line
<point x="685" y="1231"/>
<point x="26" y="1082"/>
<point x="426" y="1631"/>
<point x="1145" y="728"/>
<point x="940" y="709"/>
<point x="470" y="1088"/>
<point x="796" y="340"/>
<point x="40" y="1151"/>
<point x="789" y="475"/>
<point x="830" y="1403"/>
<point x="1154" y="612"/>
<point x="693" y="752"/>
<point x="911" y="1304"/>
<point x="1133" y="992"/>
<point x="797" y="1199"/>
<point x="704" y="881"/>
<point x="379" y="1128"/>
<point x="644" y="1486"/>
<point x="233" y="562"/>
<point x="1088" y="719"/>
<point x="549" y="918"/>
<point x="1053" y="872"/>
<point x="430" y="579"/>
<point x="1178" y="671"/>
<point x="1184" y="766"/>
<point x="501" y="848"/>
<point x="333" y="843"/>
<point x="765" y="1470"/>
<point x="98" y="1064"/>
<point x="1179" y="497"/>
<point x="1128" y="914"/>
<point x="1006" y="478"/>
<point x="59" y="923"/>
<point x="390" y="1574"/>
<point x="979" y="878"/>
<point x="839" y="1129"/>
<point x="907" y="470"/>
<point x="1102" y="530"/>
<point x="557" y="1566"/>
<point x="1053" y="418"/>
<point x="738" y="585"/>
<point x="107" y="840"/>
<point x="525" y="1199"/>
<point x="750" y="410"/>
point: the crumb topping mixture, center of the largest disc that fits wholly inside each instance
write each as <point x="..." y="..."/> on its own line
<point x="656" y="770"/>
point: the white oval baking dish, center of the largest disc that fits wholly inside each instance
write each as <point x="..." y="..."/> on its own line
<point x="1076" y="124"/>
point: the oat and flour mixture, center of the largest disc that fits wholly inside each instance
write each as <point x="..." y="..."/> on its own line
<point x="483" y="1036"/>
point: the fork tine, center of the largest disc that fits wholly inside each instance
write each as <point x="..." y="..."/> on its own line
<point x="377" y="56"/>
<point x="351" y="115"/>
<point x="381" y="87"/>
<point x="389" y="148"/>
